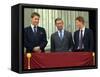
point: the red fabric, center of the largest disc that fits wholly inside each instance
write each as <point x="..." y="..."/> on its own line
<point x="59" y="59"/>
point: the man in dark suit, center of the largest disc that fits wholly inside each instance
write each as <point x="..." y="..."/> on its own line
<point x="83" y="37"/>
<point x="35" y="36"/>
<point x="62" y="39"/>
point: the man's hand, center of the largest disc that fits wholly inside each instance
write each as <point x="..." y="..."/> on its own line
<point x="37" y="49"/>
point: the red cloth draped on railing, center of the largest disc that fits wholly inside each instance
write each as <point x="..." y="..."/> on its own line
<point x="59" y="59"/>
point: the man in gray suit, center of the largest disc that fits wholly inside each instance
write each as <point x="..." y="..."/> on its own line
<point x="61" y="41"/>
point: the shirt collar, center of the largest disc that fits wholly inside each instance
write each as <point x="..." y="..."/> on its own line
<point x="32" y="26"/>
<point x="61" y="30"/>
<point x="83" y="28"/>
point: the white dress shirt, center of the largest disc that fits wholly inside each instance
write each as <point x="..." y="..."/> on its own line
<point x="62" y="33"/>
<point x="32" y="26"/>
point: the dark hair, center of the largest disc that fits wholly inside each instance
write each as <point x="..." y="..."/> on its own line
<point x="57" y="19"/>
<point x="34" y="14"/>
<point x="80" y="19"/>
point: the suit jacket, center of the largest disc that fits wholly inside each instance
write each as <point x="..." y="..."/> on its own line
<point x="65" y="44"/>
<point x="87" y="40"/>
<point x="32" y="40"/>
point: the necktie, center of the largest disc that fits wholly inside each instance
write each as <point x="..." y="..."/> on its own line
<point x="80" y="39"/>
<point x="61" y="34"/>
<point x="36" y="38"/>
<point x="35" y="30"/>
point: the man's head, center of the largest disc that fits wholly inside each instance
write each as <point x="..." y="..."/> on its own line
<point x="35" y="18"/>
<point x="80" y="22"/>
<point x="59" y="23"/>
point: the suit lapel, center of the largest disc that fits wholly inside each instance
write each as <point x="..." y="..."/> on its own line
<point x="31" y="31"/>
<point x="85" y="32"/>
<point x="77" y="36"/>
<point x="64" y="36"/>
<point x="58" y="38"/>
<point x="38" y="30"/>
